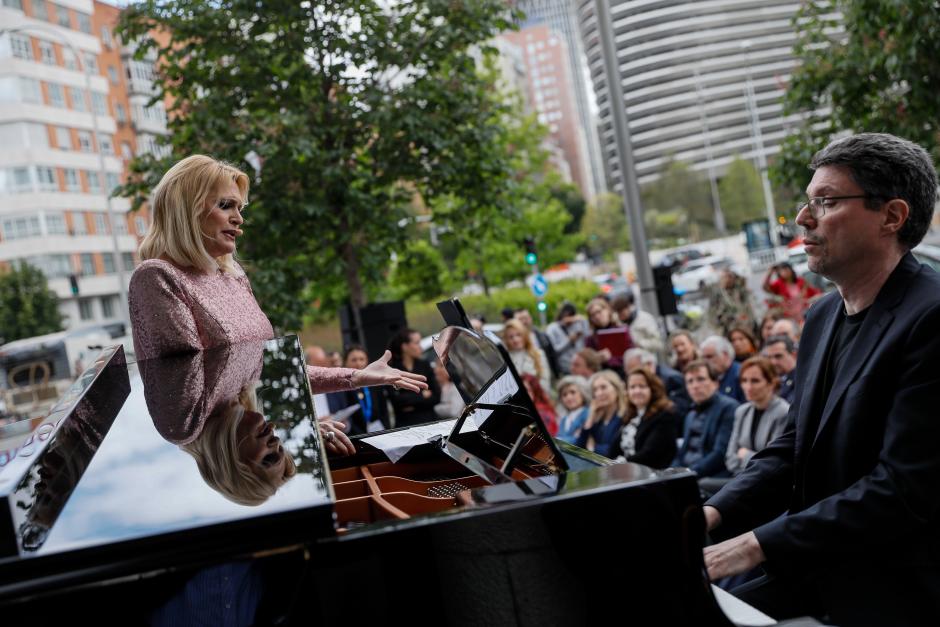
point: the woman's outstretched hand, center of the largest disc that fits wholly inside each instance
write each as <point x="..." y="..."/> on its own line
<point x="380" y="373"/>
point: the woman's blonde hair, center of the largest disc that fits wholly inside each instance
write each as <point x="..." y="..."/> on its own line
<point x="620" y="405"/>
<point x="179" y="205"/>
<point x="216" y="455"/>
<point x="528" y="346"/>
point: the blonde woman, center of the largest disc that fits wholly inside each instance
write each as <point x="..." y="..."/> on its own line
<point x="526" y="356"/>
<point x="190" y="293"/>
<point x="605" y="418"/>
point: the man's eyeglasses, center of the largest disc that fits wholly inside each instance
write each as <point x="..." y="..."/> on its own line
<point x="817" y="205"/>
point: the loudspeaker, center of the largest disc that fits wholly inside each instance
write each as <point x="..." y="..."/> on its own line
<point x="380" y="321"/>
<point x="665" y="296"/>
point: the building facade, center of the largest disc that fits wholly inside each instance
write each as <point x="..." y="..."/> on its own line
<point x="685" y="68"/>
<point x="53" y="194"/>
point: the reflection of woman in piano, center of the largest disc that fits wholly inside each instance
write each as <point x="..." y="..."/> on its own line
<point x="190" y="294"/>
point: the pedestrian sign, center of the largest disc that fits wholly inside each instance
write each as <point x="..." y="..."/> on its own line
<point x="539" y="285"/>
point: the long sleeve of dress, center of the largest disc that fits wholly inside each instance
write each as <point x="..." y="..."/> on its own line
<point x="330" y="379"/>
<point x="161" y="314"/>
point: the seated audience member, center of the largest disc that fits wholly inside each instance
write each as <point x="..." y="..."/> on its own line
<point x="451" y="404"/>
<point x="574" y="394"/>
<point x="602" y="318"/>
<point x="567" y="335"/>
<point x="526" y="356"/>
<point x="649" y="432"/>
<point x="372" y="414"/>
<point x="761" y="419"/>
<point x="605" y="419"/>
<point x="743" y="342"/>
<point x="586" y="363"/>
<point x="643" y="326"/>
<point x="540" y="339"/>
<point x="789" y="327"/>
<point x="708" y="424"/>
<point x="684" y="349"/>
<point x="719" y="354"/>
<point x="673" y="381"/>
<point x="781" y="351"/>
<point x="766" y="326"/>
<point x="543" y="404"/>
<point x="412" y="407"/>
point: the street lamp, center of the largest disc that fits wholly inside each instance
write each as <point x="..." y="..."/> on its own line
<point x="712" y="177"/>
<point x="102" y="173"/>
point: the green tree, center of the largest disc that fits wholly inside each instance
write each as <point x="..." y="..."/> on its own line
<point x="419" y="272"/>
<point x="352" y="107"/>
<point x="742" y="194"/>
<point x="879" y="74"/>
<point x="604" y="227"/>
<point x="27" y="306"/>
<point x="679" y="189"/>
<point x="574" y="204"/>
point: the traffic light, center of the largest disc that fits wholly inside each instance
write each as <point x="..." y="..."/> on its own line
<point x="542" y="306"/>
<point x="531" y="256"/>
<point x="73" y="283"/>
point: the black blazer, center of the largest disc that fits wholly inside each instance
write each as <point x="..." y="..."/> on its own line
<point x="862" y="490"/>
<point x="654" y="443"/>
<point x="412" y="408"/>
<point x="357" y="421"/>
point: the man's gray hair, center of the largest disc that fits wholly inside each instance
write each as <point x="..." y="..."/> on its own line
<point x="646" y="357"/>
<point x="719" y="343"/>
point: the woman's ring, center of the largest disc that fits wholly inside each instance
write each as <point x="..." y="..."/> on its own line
<point x="330" y="436"/>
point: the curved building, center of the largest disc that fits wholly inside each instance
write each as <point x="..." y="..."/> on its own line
<point x="685" y="68"/>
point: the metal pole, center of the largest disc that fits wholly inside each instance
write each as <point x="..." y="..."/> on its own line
<point x="712" y="177"/>
<point x="759" y="148"/>
<point x="631" y="189"/>
<point x="102" y="173"/>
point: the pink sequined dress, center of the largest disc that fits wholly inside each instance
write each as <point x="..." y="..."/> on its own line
<point x="177" y="310"/>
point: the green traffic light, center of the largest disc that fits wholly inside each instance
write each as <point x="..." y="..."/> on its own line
<point x="531" y="259"/>
<point x="542" y="306"/>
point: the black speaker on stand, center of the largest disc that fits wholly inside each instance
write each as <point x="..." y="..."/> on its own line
<point x="665" y="295"/>
<point x="380" y="321"/>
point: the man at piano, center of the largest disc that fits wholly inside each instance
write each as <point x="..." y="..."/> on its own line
<point x="842" y="510"/>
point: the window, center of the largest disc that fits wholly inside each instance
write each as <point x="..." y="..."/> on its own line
<point x="78" y="99"/>
<point x="84" y="309"/>
<point x="56" y="95"/>
<point x="72" y="182"/>
<point x="106" y="36"/>
<point x="62" y="16"/>
<point x="21" y="48"/>
<point x="84" y="142"/>
<point x="120" y="113"/>
<point x="107" y="306"/>
<point x="78" y="223"/>
<point x="108" y="263"/>
<point x="127" y="259"/>
<point x="91" y="63"/>
<point x="55" y="224"/>
<point x="113" y="75"/>
<point x="120" y="225"/>
<point x="53" y="266"/>
<point x="106" y="143"/>
<point x="20" y="227"/>
<point x="126" y="150"/>
<point x="88" y="264"/>
<point x="84" y="22"/>
<point x="69" y="60"/>
<point x="63" y="138"/>
<point x="47" y="52"/>
<point x="22" y="181"/>
<point x="94" y="182"/>
<point x="40" y="11"/>
<point x="47" y="179"/>
<point x="101" y="224"/>
<point x="13" y="4"/>
<point x="112" y="181"/>
<point x="29" y="90"/>
<point x="99" y="103"/>
<point x="141" y="224"/>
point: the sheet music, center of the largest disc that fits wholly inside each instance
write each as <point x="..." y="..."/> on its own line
<point x="396" y="443"/>
<point x="499" y="391"/>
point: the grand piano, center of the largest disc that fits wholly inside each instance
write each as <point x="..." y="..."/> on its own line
<point x="197" y="488"/>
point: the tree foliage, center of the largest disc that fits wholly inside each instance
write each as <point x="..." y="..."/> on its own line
<point x="679" y="189"/>
<point x="742" y="194"/>
<point x="865" y="65"/>
<point x="419" y="272"/>
<point x="353" y="107"/>
<point x="27" y="306"/>
<point x="604" y="227"/>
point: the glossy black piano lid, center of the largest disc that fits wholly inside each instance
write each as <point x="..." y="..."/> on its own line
<point x="141" y="481"/>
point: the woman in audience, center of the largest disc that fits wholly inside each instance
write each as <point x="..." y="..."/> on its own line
<point x="451" y="404"/>
<point x="766" y="326"/>
<point x="526" y="356"/>
<point x="602" y="317"/>
<point x="412" y="407"/>
<point x="543" y="404"/>
<point x="601" y="430"/>
<point x="684" y="349"/>
<point x="649" y="431"/>
<point x="761" y="419"/>
<point x="745" y="346"/>
<point x="372" y="414"/>
<point x="574" y="393"/>
<point x="586" y="362"/>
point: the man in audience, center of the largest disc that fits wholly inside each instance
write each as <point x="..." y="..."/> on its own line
<point x="708" y="424"/>
<point x="788" y="327"/>
<point x="672" y="379"/>
<point x="719" y="353"/>
<point x="643" y="326"/>
<point x="781" y="352"/>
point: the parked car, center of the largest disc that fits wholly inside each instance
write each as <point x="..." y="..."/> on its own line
<point x="611" y="284"/>
<point x="698" y="274"/>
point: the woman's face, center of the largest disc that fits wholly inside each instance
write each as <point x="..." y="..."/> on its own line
<point x="742" y="345"/>
<point x="685" y="349"/>
<point x="580" y="367"/>
<point x="220" y="226"/>
<point x="727" y="279"/>
<point x="638" y="391"/>
<point x="599" y="316"/>
<point x="357" y="360"/>
<point x="412" y="347"/>
<point x="259" y="447"/>
<point x="514" y="340"/>
<point x="571" y="398"/>
<point x="756" y="388"/>
<point x="786" y="273"/>
<point x="766" y="327"/>
<point x="604" y="393"/>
